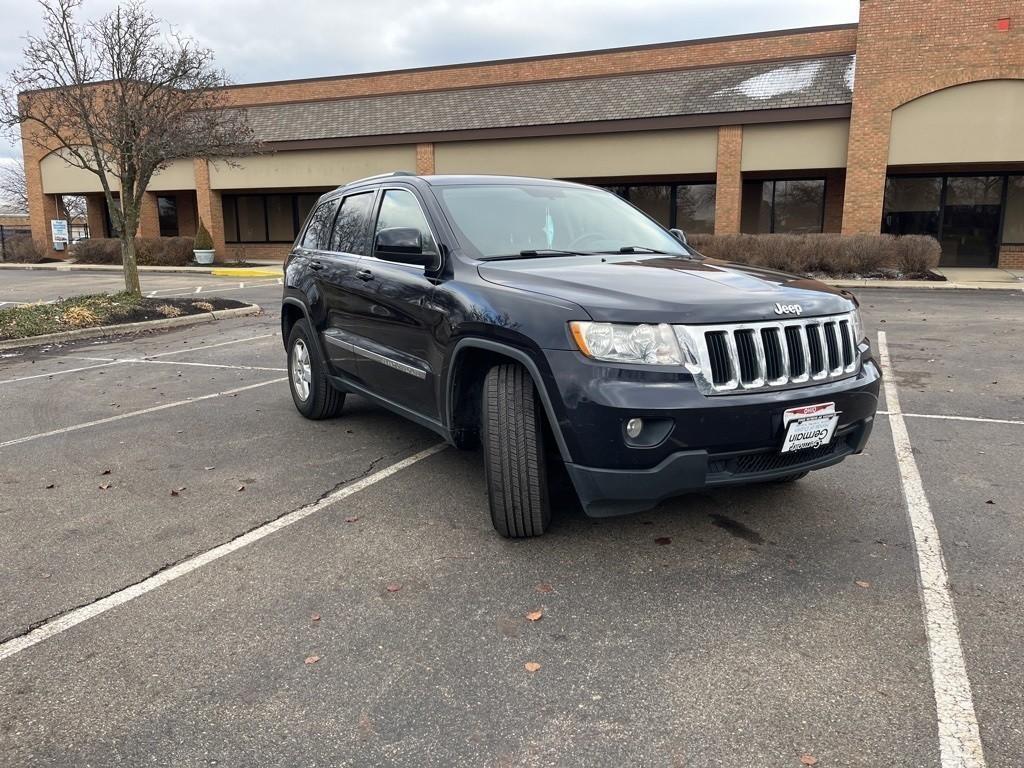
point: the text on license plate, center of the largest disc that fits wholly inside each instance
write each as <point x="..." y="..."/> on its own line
<point x="809" y="426"/>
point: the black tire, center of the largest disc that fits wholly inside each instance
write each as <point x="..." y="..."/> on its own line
<point x="512" y="435"/>
<point x="323" y="400"/>
<point x="791" y="478"/>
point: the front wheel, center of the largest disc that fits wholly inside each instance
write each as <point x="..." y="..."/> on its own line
<point x="512" y="435"/>
<point x="312" y="392"/>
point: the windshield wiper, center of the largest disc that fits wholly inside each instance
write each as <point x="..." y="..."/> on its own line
<point x="538" y="253"/>
<point x="641" y="249"/>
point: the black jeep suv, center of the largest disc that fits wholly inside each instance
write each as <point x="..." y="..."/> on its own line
<point x="549" y="319"/>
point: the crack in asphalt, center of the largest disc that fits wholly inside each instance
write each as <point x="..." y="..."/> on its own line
<point x="333" y="489"/>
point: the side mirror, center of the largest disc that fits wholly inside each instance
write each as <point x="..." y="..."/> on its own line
<point x="679" y="235"/>
<point x="401" y="244"/>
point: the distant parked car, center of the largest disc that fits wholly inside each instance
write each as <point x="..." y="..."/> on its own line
<point x="545" y="319"/>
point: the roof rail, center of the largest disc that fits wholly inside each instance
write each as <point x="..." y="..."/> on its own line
<point x="379" y="176"/>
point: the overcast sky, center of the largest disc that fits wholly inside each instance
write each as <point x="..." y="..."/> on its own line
<point x="257" y="40"/>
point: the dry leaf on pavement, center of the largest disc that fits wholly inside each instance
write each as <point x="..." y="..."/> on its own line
<point x="544" y="588"/>
<point x="808" y="760"/>
<point x="663" y="540"/>
<point x="105" y="487"/>
<point x="531" y="666"/>
<point x="534" y="615"/>
<point x="105" y="472"/>
<point x="314" y="617"/>
<point x="177" y="491"/>
<point x="240" y="488"/>
<point x="864" y="584"/>
<point x="352" y="519"/>
<point x="312" y="659"/>
<point x="393" y="587"/>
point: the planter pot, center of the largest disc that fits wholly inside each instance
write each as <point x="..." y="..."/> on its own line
<point x="203" y="257"/>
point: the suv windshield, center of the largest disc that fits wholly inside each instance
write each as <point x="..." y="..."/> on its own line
<point x="504" y="220"/>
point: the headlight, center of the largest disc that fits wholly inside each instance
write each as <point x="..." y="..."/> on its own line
<point x="619" y="343"/>
<point x="858" y="326"/>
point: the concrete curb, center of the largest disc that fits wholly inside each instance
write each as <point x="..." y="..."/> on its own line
<point x="931" y="285"/>
<point x="212" y="270"/>
<point x="125" y="328"/>
<point x="247" y="272"/>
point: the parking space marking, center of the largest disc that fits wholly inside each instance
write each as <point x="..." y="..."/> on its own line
<point x="959" y="737"/>
<point x="60" y="372"/>
<point x="980" y="419"/>
<point x="142" y="412"/>
<point x="205" y="365"/>
<point x="76" y="616"/>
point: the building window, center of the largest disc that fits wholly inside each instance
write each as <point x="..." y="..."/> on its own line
<point x="964" y="212"/>
<point x="690" y="207"/>
<point x="266" y="218"/>
<point x="167" y="208"/>
<point x="695" y="208"/>
<point x="783" y="206"/>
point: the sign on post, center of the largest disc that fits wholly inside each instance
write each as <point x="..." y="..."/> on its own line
<point x="59" y="233"/>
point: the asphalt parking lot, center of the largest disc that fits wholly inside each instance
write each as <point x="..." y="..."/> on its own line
<point x="191" y="574"/>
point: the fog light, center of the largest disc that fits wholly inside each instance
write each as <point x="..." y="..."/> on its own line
<point x="634" y="427"/>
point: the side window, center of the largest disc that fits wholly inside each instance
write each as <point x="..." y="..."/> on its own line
<point x="319" y="226"/>
<point x="400" y="208"/>
<point x="349" y="235"/>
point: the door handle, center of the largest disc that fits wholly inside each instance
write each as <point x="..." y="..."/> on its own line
<point x="316" y="265"/>
<point x="364" y="274"/>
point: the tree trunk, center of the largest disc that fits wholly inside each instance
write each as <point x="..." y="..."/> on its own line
<point x="131" y="269"/>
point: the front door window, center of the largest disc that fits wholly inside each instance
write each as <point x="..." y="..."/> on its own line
<point x="970" y="221"/>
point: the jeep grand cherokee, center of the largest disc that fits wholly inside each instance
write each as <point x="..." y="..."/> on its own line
<point x="544" y="318"/>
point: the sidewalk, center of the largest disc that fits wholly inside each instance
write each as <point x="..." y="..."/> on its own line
<point x="258" y="269"/>
<point x="957" y="278"/>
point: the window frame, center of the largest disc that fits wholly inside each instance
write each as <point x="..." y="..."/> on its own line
<point x="378" y="204"/>
<point x="771" y="218"/>
<point x="673" y="199"/>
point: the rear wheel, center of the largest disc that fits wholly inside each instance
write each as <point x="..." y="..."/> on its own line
<point x="312" y="392"/>
<point x="512" y="434"/>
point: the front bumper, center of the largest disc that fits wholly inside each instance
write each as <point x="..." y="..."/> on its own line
<point x="700" y="441"/>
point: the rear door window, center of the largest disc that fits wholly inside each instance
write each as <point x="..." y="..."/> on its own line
<point x="319" y="226"/>
<point x="350" y="225"/>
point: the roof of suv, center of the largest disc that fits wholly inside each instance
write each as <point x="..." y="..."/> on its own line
<point x="439" y="180"/>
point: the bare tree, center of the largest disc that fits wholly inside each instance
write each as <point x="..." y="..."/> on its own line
<point x="13" y="189"/>
<point x="121" y="97"/>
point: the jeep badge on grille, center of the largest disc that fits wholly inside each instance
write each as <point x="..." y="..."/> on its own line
<point x="788" y="309"/>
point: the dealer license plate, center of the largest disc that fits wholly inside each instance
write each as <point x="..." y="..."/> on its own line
<point x="809" y="426"/>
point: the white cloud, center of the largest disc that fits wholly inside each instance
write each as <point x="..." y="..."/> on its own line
<point x="258" y="40"/>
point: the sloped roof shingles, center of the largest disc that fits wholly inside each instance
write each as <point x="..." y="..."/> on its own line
<point x="760" y="86"/>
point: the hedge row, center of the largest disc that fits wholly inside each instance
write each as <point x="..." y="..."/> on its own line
<point x="829" y="255"/>
<point x="149" y="251"/>
<point x="23" y="250"/>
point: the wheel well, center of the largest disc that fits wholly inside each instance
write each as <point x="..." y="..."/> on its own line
<point x="290" y="314"/>
<point x="468" y="382"/>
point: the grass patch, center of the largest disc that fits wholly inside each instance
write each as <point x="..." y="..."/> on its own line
<point x="97" y="310"/>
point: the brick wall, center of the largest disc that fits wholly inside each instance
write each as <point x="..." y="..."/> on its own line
<point x="1011" y="257"/>
<point x="907" y="49"/>
<point x="424" y="158"/>
<point x="731" y="50"/>
<point x="729" y="180"/>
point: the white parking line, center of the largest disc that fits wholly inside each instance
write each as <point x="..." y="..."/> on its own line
<point x="959" y="739"/>
<point x="978" y="419"/>
<point x="132" y="414"/>
<point x="60" y="372"/>
<point x="205" y="365"/>
<point x="78" y="615"/>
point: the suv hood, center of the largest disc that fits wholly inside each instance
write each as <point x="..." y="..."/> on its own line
<point x="667" y="289"/>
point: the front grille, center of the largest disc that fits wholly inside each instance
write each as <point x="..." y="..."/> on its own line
<point x="742" y="357"/>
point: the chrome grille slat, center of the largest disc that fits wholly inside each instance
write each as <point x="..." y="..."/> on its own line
<point x="744" y="357"/>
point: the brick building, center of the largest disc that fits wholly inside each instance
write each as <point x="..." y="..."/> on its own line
<point x="908" y="122"/>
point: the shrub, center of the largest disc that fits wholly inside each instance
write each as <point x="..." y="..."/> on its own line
<point x="829" y="255"/>
<point x="149" y="252"/>
<point x="23" y="250"/>
<point x="203" y="240"/>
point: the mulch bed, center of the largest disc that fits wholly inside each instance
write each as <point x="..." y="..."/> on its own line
<point x="98" y="310"/>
